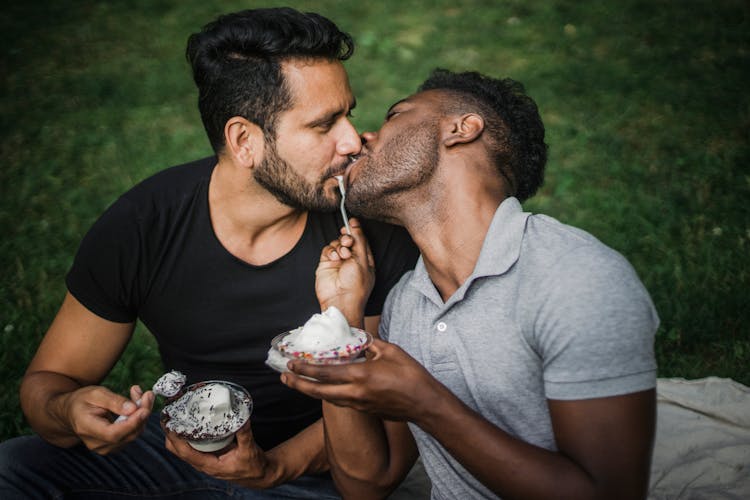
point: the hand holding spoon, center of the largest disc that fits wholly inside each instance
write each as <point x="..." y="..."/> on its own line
<point x="168" y="385"/>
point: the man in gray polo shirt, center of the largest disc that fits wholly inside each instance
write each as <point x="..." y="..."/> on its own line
<point x="520" y="349"/>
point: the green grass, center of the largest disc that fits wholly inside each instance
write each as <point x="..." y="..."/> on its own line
<point x="644" y="101"/>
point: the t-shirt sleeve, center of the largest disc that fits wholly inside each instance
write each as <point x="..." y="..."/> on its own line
<point x="104" y="276"/>
<point x="395" y="253"/>
<point x="595" y="329"/>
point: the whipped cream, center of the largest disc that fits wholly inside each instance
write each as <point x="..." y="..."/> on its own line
<point x="324" y="338"/>
<point x="321" y="332"/>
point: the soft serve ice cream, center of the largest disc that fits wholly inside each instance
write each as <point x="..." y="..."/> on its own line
<point x="325" y="338"/>
<point x="208" y="414"/>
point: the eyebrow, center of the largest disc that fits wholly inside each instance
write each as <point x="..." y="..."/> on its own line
<point x="331" y="117"/>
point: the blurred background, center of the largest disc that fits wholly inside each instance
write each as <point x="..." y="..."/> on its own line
<point x="645" y="104"/>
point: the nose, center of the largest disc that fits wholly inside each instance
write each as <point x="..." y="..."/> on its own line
<point x="368" y="137"/>
<point x="349" y="143"/>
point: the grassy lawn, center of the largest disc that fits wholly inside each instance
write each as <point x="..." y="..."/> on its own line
<point x="645" y="104"/>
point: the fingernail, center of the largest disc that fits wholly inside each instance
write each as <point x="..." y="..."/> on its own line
<point x="283" y="379"/>
<point x="128" y="406"/>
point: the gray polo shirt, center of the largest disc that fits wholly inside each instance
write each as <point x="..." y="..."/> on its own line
<point x="549" y="312"/>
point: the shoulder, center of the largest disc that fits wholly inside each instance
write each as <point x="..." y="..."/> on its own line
<point x="173" y="183"/>
<point x="152" y="203"/>
<point x="553" y="247"/>
<point x="566" y="275"/>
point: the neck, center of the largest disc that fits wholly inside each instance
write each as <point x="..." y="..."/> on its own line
<point x="248" y="220"/>
<point x="451" y="225"/>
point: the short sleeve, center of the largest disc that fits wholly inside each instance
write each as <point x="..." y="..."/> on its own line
<point x="104" y="275"/>
<point x="595" y="327"/>
<point x="395" y="253"/>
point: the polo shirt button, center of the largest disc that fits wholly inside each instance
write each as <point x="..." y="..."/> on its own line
<point x="442" y="326"/>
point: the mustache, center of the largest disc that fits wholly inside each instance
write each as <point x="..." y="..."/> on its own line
<point x="340" y="169"/>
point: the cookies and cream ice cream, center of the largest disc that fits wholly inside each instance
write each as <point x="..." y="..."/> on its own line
<point x="169" y="384"/>
<point x="208" y="414"/>
<point x="325" y="338"/>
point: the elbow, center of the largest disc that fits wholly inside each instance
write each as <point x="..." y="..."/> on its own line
<point x="355" y="484"/>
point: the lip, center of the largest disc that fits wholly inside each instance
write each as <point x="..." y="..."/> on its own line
<point x="352" y="165"/>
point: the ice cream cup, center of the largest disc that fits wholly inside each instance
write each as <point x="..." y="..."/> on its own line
<point x="280" y="354"/>
<point x="208" y="433"/>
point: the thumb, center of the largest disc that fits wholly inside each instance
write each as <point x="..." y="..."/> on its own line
<point x="245" y="437"/>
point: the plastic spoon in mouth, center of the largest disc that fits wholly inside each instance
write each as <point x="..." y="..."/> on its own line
<point x="342" y="188"/>
<point x="167" y="385"/>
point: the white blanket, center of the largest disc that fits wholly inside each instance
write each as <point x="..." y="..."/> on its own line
<point x="702" y="448"/>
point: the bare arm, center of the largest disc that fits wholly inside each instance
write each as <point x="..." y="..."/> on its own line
<point x="369" y="457"/>
<point x="357" y="444"/>
<point x="59" y="395"/>
<point x="604" y="444"/>
<point x="604" y="448"/>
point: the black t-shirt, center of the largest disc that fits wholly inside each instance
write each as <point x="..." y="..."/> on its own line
<point x="153" y="256"/>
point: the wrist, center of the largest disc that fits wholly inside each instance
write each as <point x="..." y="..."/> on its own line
<point x="434" y="406"/>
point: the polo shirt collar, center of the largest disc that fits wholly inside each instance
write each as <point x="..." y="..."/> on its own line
<point x="500" y="250"/>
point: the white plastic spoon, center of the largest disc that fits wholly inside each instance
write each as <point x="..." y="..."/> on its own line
<point x="342" y="188"/>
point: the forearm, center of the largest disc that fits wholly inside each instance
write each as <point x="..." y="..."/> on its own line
<point x="43" y="396"/>
<point x="506" y="465"/>
<point x="358" y="452"/>
<point x="302" y="454"/>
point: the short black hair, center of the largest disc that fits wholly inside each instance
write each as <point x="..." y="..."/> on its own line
<point x="236" y="62"/>
<point x="515" y="129"/>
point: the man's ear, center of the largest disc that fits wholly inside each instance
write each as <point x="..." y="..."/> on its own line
<point x="244" y="141"/>
<point x="463" y="129"/>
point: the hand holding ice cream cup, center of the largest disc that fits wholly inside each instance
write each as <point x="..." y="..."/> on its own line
<point x="325" y="339"/>
<point x="208" y="414"/>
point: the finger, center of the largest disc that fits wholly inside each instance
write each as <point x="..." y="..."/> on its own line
<point x="182" y="449"/>
<point x="244" y="435"/>
<point x="344" y="253"/>
<point x="147" y="402"/>
<point x="114" y="403"/>
<point x="136" y="392"/>
<point x="329" y="254"/>
<point x="346" y="240"/>
<point x="330" y="374"/>
<point x="312" y="389"/>
<point x="338" y="394"/>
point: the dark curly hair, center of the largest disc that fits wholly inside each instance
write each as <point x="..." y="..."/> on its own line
<point x="236" y="62"/>
<point x="515" y="131"/>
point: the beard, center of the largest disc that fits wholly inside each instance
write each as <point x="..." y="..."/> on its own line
<point x="405" y="162"/>
<point x="278" y="177"/>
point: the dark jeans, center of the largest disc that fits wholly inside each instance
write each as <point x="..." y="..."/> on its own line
<point x="32" y="468"/>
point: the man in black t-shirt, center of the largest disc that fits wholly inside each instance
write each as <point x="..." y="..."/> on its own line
<point x="216" y="257"/>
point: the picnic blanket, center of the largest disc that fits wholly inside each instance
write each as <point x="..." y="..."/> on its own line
<point x="702" y="448"/>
